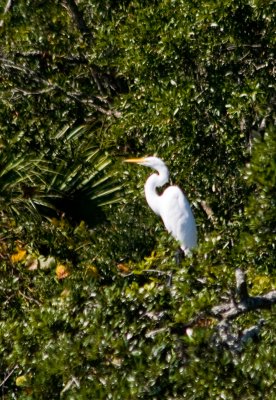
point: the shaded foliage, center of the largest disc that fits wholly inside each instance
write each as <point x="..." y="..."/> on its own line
<point x="71" y="177"/>
<point x="101" y="310"/>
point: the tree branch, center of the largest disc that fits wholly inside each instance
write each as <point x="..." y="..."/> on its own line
<point x="225" y="333"/>
<point x="48" y="86"/>
<point x="38" y="54"/>
<point x="246" y="303"/>
<point x="8" y="375"/>
<point x="7" y="8"/>
<point x="77" y="16"/>
<point x="208" y="210"/>
<point x="241" y="285"/>
<point x="235" y="341"/>
<point x="102" y="79"/>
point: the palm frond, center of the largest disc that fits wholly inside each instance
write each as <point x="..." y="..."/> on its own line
<point x="77" y="180"/>
<point x="85" y="182"/>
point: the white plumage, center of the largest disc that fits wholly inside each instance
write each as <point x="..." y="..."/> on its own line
<point x="172" y="206"/>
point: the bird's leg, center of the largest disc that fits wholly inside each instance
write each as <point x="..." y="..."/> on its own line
<point x="179" y="256"/>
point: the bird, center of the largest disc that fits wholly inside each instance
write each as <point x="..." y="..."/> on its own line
<point x="172" y="205"/>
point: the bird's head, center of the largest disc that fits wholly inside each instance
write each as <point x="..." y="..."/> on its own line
<point x="152" y="162"/>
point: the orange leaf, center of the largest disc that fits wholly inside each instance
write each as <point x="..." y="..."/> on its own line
<point x="123" y="268"/>
<point x="19" y="256"/>
<point x="62" y="271"/>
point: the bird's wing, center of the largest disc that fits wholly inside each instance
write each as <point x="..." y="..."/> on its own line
<point x="178" y="217"/>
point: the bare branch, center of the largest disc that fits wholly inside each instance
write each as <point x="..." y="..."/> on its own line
<point x="77" y="16"/>
<point x="233" y="340"/>
<point x="247" y="303"/>
<point x="59" y="57"/>
<point x="32" y="93"/>
<point x="7" y="8"/>
<point x="241" y="285"/>
<point x="252" y="333"/>
<point x="48" y="86"/>
<point x="8" y="375"/>
<point x="102" y="79"/>
<point x="208" y="210"/>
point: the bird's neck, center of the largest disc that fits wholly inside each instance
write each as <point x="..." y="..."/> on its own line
<point x="153" y="182"/>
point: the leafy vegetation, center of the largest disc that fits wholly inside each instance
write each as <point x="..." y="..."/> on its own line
<point x="92" y="302"/>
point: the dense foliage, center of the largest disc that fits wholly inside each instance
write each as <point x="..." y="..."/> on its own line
<point x="93" y="305"/>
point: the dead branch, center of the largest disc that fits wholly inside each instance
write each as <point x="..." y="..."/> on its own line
<point x="76" y="14"/>
<point x="48" y="86"/>
<point x="246" y="303"/>
<point x="8" y="375"/>
<point x="236" y="340"/>
<point x="103" y="80"/>
<point x="7" y="8"/>
<point x="240" y="302"/>
<point x="208" y="210"/>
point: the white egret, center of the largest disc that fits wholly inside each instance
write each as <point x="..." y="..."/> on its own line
<point x="172" y="206"/>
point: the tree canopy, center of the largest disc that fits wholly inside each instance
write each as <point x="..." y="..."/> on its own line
<point x="93" y="305"/>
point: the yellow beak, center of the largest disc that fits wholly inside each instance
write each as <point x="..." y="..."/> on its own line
<point x="134" y="160"/>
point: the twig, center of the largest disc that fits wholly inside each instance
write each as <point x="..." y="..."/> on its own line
<point x="32" y="93"/>
<point x="9" y="374"/>
<point x="73" y="381"/>
<point x="253" y="46"/>
<point x="147" y="271"/>
<point x="208" y="210"/>
<point x="29" y="298"/>
<point x="7" y="8"/>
